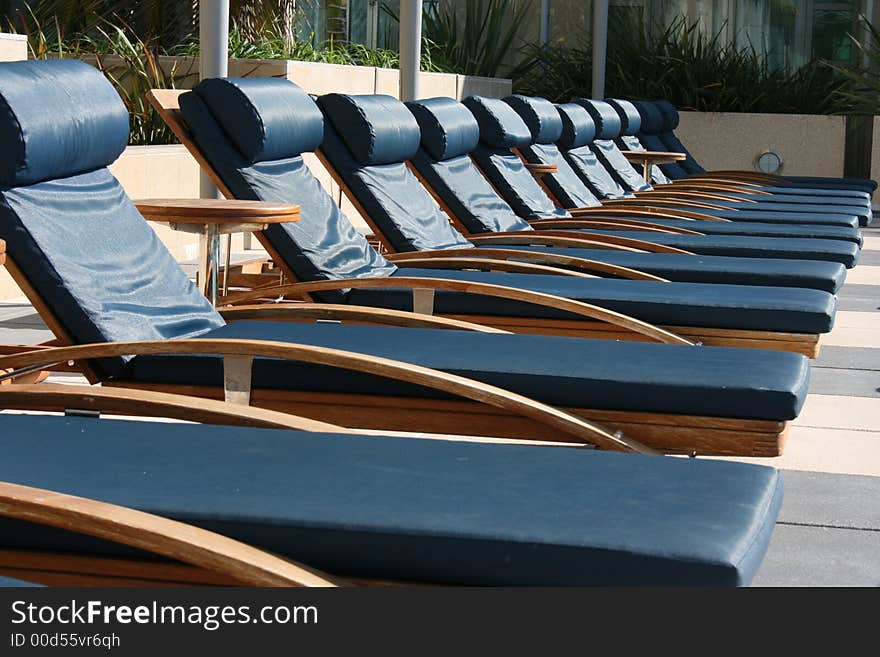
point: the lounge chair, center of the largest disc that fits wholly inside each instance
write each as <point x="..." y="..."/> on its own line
<point x="574" y="143"/>
<point x="476" y="208"/>
<point x="216" y="110"/>
<point x="736" y="208"/>
<point x="140" y="323"/>
<point x="568" y="190"/>
<point x="632" y="136"/>
<point x="665" y="121"/>
<point x="370" y="509"/>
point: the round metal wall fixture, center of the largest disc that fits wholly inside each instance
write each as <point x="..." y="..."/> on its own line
<point x="769" y="162"/>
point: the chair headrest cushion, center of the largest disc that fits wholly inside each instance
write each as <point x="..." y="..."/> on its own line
<point x="377" y="129"/>
<point x="500" y="125"/>
<point x="448" y="128"/>
<point x="652" y="119"/>
<point x="670" y="114"/>
<point x="58" y="118"/>
<point x="578" y="128"/>
<point x="604" y="116"/>
<point x="630" y="119"/>
<point x="540" y="116"/>
<point x="265" y="118"/>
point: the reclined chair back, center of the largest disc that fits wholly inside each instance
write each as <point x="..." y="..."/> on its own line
<point x="367" y="142"/>
<point x="449" y="133"/>
<point x="630" y="127"/>
<point x="545" y="124"/>
<point x="61" y="125"/>
<point x="607" y="130"/>
<point x="253" y="133"/>
<point x="575" y="141"/>
<point x="501" y="129"/>
<point x="652" y="125"/>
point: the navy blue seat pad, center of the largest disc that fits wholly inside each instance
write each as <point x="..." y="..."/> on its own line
<point x="792" y="214"/>
<point x="758" y="229"/>
<point x="577" y="372"/>
<point x="815" y="274"/>
<point x="744" y="246"/>
<point x="790" y="310"/>
<point x="418" y="510"/>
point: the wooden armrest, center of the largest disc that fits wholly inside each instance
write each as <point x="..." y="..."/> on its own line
<point x="654" y="156"/>
<point x="147" y="403"/>
<point x="610" y="222"/>
<point x="168" y="538"/>
<point x="585" y="310"/>
<point x="706" y="197"/>
<point x="540" y="169"/>
<point x="570" y="239"/>
<point x="238" y="356"/>
<point x="475" y="260"/>
<point x="216" y="211"/>
<point x="581" y="264"/>
<point x="638" y="201"/>
<point x="329" y="311"/>
<point x="639" y="209"/>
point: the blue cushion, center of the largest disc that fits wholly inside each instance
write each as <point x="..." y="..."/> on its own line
<point x="564" y="184"/>
<point x="57" y="118"/>
<point x="448" y="128"/>
<point x="266" y="118"/>
<point x="414" y="510"/>
<point x="392" y="198"/>
<point x="652" y="119"/>
<point x="746" y="246"/>
<point x="376" y="129"/>
<point x="604" y="116"/>
<point x="570" y="372"/>
<point x="467" y="193"/>
<point x="500" y="125"/>
<point x="742" y="307"/>
<point x="669" y="113"/>
<point x="540" y="115"/>
<point x="98" y="266"/>
<point x="630" y="120"/>
<point x="578" y="128"/>
<point x="323" y="243"/>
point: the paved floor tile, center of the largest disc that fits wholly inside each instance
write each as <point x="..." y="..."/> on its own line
<point x="831" y="500"/>
<point x="856" y="358"/>
<point x="864" y="274"/>
<point x="839" y="412"/>
<point x="848" y="382"/>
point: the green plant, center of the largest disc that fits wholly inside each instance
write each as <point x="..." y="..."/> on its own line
<point x="693" y="70"/>
<point x="474" y="41"/>
<point x="863" y="92"/>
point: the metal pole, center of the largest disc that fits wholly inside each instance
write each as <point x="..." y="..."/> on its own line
<point x="213" y="59"/>
<point x="410" y="48"/>
<point x="545" y="22"/>
<point x="600" y="46"/>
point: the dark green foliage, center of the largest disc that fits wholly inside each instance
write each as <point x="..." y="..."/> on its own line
<point x="693" y="70"/>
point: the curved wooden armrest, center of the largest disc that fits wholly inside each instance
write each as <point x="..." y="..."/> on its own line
<point x="639" y="201"/>
<point x="147" y="403"/>
<point x="706" y="197"/>
<point x="234" y="351"/>
<point x="582" y="264"/>
<point x="329" y="311"/>
<point x="641" y="210"/>
<point x="539" y="170"/>
<point x="579" y="240"/>
<point x="711" y="185"/>
<point x="743" y="184"/>
<point x="731" y="173"/>
<point x="585" y="310"/>
<point x="489" y="263"/>
<point x="168" y="538"/>
<point x="608" y="222"/>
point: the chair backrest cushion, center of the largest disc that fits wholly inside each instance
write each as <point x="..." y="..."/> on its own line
<point x="389" y="194"/>
<point x="631" y="124"/>
<point x="76" y="237"/>
<point x="670" y="122"/>
<point x="448" y="129"/>
<point x="323" y="244"/>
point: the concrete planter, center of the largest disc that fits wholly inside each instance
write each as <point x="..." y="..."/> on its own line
<point x="810" y="145"/>
<point x="13" y="47"/>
